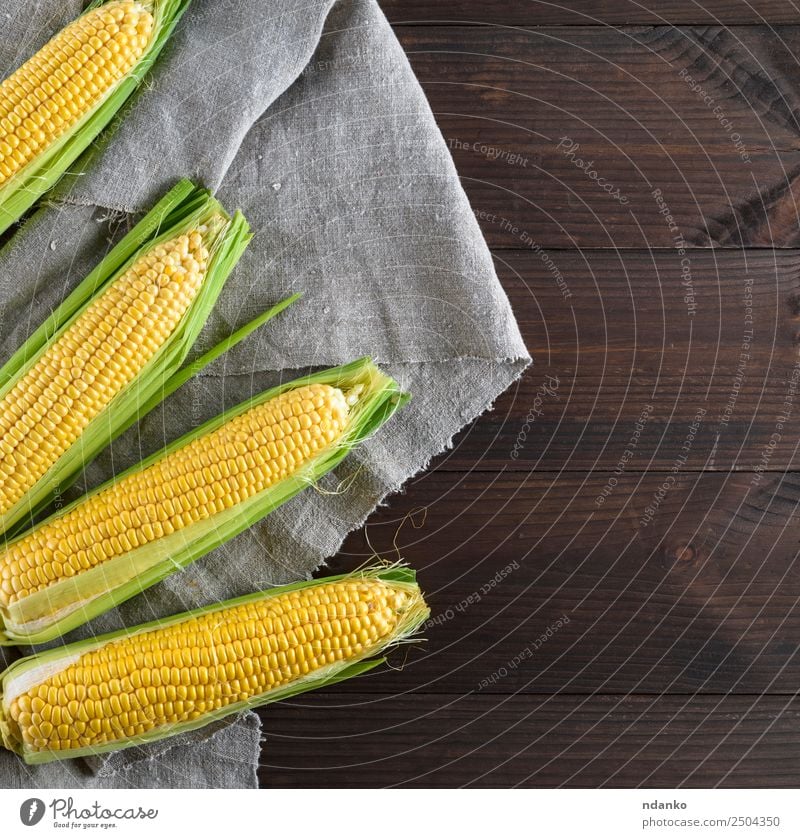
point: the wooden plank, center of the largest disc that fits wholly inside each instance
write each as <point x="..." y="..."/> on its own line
<point x="587" y="136"/>
<point x="366" y="741"/>
<point x="582" y="12"/>
<point x="671" y="583"/>
<point x="651" y="359"/>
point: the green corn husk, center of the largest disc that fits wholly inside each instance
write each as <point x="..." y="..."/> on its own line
<point x="31" y="671"/>
<point x="69" y="602"/>
<point x="182" y="208"/>
<point x="19" y="193"/>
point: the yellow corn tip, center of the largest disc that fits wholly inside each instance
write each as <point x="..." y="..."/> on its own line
<point x="67" y="78"/>
<point x="212" y="473"/>
<point x="180" y="673"/>
<point x="107" y="346"/>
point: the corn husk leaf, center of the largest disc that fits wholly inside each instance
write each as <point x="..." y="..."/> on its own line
<point x="19" y="194"/>
<point x="32" y="670"/>
<point x="46" y="614"/>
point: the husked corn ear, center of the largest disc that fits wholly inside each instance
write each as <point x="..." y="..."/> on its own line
<point x="103" y="351"/>
<point x="214" y="472"/>
<point x="49" y="94"/>
<point x="168" y="676"/>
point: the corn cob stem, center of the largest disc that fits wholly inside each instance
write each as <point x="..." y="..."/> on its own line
<point x="160" y="679"/>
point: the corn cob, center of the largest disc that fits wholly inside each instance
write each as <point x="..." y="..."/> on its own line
<point x="211" y="474"/>
<point x="105" y="349"/>
<point x="135" y="687"/>
<point x="184" y="501"/>
<point x="58" y="101"/>
<point x="51" y="92"/>
<point x="89" y="371"/>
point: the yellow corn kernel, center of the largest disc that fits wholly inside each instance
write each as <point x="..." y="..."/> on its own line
<point x="178" y="490"/>
<point x="60" y="85"/>
<point x="100" y="354"/>
<point x="151" y="680"/>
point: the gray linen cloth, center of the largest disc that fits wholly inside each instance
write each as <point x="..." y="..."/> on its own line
<point x="308" y="117"/>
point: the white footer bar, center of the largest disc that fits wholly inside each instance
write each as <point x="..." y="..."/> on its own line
<point x="400" y="813"/>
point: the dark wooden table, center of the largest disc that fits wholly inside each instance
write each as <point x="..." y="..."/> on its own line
<point x="611" y="561"/>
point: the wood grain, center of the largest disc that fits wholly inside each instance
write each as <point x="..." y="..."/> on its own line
<point x="583" y="12"/>
<point x="433" y="741"/>
<point x="613" y="604"/>
<point x="521" y="109"/>
<point x="668" y="585"/>
<point x="648" y="333"/>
